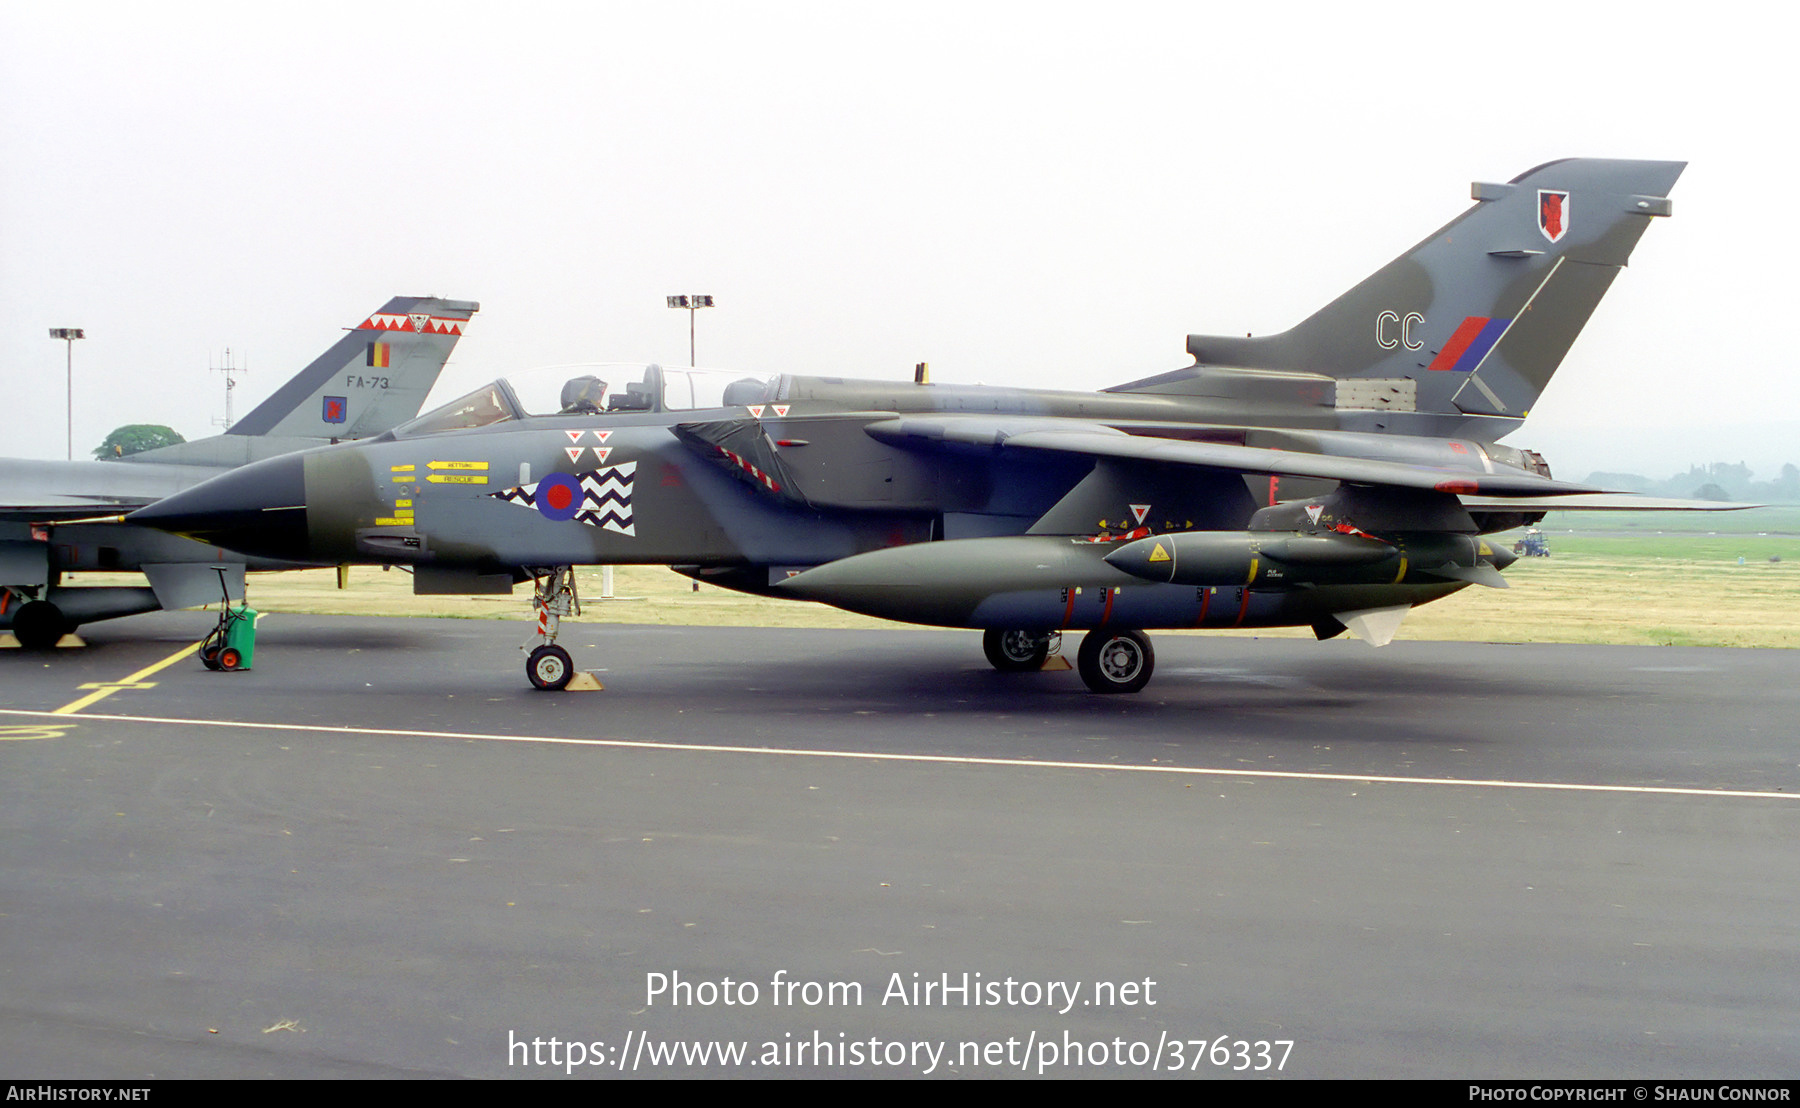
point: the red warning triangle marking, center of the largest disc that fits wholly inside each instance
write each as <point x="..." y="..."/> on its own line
<point x="574" y="436"/>
<point x="574" y="452"/>
<point x="602" y="435"/>
<point x="782" y="409"/>
<point x="755" y="410"/>
<point x="1140" y="511"/>
<point x="601" y="452"/>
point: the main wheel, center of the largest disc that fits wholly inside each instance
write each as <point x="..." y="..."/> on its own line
<point x="39" y="624"/>
<point x="550" y="667"/>
<point x="1014" y="651"/>
<point x="1116" y="661"/>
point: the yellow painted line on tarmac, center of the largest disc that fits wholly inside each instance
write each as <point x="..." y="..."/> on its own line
<point x="939" y="759"/>
<point x="104" y="689"/>
<point x="40" y="731"/>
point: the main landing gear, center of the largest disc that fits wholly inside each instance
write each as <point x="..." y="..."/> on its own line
<point x="1110" y="661"/>
<point x="39" y="625"/>
<point x="1014" y="651"/>
<point x="1115" y="661"/>
<point x="553" y="595"/>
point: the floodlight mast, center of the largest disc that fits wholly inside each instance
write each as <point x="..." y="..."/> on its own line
<point x="69" y="335"/>
<point x="693" y="303"/>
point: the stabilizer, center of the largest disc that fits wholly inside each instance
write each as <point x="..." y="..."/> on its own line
<point x="371" y="380"/>
<point x="1465" y="329"/>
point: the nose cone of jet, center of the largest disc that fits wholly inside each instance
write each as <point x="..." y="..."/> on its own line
<point x="258" y="509"/>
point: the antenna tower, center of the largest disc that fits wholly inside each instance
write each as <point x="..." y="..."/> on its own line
<point x="230" y="387"/>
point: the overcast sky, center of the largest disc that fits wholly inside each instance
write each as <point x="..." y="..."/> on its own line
<point x="1023" y="194"/>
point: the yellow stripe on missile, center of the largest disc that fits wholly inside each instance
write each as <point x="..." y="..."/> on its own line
<point x="1402" y="573"/>
<point x="1252" y="578"/>
<point x="457" y="479"/>
<point x="458" y="465"/>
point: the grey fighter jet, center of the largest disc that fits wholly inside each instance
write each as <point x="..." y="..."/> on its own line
<point x="1332" y="476"/>
<point x="63" y="517"/>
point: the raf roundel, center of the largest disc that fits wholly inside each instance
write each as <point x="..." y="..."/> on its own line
<point x="559" y="497"/>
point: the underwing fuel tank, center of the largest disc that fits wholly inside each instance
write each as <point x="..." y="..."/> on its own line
<point x="946" y="583"/>
<point x="1049" y="582"/>
<point x="1269" y="559"/>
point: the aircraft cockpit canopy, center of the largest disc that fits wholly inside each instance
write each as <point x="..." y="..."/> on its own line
<point x="597" y="389"/>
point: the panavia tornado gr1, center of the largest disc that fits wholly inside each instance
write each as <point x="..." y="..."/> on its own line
<point x="1331" y="476"/>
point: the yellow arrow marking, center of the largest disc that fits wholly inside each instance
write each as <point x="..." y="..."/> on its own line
<point x="458" y="465"/>
<point x="456" y="479"/>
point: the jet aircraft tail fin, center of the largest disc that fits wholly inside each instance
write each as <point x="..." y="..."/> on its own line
<point x="373" y="379"/>
<point x="1470" y="323"/>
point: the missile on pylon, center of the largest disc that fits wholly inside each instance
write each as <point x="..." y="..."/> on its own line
<point x="1271" y="559"/>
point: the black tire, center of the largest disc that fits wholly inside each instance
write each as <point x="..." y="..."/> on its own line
<point x="1116" y="661"/>
<point x="209" y="654"/>
<point x="1014" y="651"/>
<point x="39" y="624"/>
<point x="550" y="668"/>
<point x="231" y="659"/>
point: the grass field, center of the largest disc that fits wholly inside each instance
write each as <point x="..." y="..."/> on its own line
<point x="1773" y="519"/>
<point x="1643" y="588"/>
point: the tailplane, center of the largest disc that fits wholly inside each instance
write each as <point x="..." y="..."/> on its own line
<point x="1470" y="323"/>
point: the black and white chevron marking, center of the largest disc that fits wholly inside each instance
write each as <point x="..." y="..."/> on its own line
<point x="605" y="498"/>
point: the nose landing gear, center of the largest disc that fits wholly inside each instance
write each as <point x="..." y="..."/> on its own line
<point x="549" y="666"/>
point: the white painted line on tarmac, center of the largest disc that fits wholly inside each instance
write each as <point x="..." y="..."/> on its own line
<point x="928" y="759"/>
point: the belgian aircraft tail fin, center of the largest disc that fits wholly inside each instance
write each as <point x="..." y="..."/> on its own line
<point x="1472" y="321"/>
<point x="373" y="379"/>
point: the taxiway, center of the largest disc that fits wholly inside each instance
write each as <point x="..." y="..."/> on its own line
<point x="379" y="853"/>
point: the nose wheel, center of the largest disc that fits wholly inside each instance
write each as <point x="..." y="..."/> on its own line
<point x="550" y="668"/>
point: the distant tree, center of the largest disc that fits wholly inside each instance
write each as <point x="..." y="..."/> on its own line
<point x="1711" y="491"/>
<point x="1787" y="486"/>
<point x="134" y="438"/>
